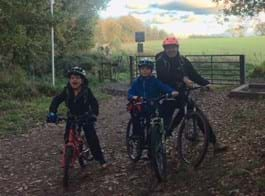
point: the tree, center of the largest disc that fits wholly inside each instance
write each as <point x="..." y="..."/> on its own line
<point x="242" y="8"/>
<point x="129" y="26"/>
<point x="237" y="30"/>
<point x="23" y="26"/>
<point x="108" y="30"/>
<point x="74" y="24"/>
<point x="260" y="28"/>
<point x="25" y="29"/>
<point x="117" y="31"/>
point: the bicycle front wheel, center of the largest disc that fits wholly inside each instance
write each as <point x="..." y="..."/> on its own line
<point x="158" y="153"/>
<point x="68" y="156"/>
<point x="193" y="139"/>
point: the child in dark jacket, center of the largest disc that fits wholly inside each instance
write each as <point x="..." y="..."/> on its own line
<point x="147" y="87"/>
<point x="80" y="101"/>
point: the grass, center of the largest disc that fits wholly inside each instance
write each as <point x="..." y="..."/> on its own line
<point x="25" y="104"/>
<point x="18" y="116"/>
<point x="252" y="47"/>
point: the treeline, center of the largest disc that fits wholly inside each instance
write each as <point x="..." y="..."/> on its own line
<point x="120" y="30"/>
<point x="25" y="27"/>
<point x="207" y="36"/>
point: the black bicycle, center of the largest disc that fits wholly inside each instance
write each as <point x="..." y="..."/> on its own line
<point x="154" y="136"/>
<point x="193" y="133"/>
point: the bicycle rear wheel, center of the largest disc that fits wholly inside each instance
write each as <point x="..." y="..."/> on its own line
<point x="134" y="144"/>
<point x="158" y="153"/>
<point x="68" y="156"/>
<point x="193" y="139"/>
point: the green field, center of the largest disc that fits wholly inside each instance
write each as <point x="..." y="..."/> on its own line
<point x="252" y="47"/>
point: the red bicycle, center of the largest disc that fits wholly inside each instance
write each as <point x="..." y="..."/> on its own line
<point x="75" y="148"/>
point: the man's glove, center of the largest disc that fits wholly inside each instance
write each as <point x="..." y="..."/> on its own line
<point x="188" y="82"/>
<point x="52" y="118"/>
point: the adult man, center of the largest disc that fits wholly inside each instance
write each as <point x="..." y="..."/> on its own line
<point x="177" y="71"/>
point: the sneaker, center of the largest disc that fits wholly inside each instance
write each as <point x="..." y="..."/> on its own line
<point x="168" y="133"/>
<point x="104" y="165"/>
<point x="218" y="147"/>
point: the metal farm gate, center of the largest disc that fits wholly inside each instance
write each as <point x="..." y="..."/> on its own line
<point x="218" y="69"/>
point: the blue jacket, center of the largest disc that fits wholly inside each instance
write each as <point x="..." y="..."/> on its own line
<point x="148" y="88"/>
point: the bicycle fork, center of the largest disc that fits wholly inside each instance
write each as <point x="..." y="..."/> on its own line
<point x="74" y="144"/>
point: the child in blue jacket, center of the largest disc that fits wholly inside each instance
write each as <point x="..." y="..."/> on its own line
<point x="147" y="87"/>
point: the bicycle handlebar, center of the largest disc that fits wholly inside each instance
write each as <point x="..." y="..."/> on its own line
<point x="198" y="87"/>
<point x="76" y="118"/>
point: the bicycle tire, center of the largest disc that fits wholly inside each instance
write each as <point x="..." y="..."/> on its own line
<point x="158" y="153"/>
<point x="68" y="156"/>
<point x="182" y="138"/>
<point x="130" y="144"/>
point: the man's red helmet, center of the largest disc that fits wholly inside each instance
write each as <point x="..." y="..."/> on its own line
<point x="170" y="41"/>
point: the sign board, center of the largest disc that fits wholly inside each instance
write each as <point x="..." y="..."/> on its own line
<point x="139" y="36"/>
<point x="140" y="47"/>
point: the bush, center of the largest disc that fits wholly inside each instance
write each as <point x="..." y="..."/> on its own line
<point x="14" y="83"/>
<point x="259" y="71"/>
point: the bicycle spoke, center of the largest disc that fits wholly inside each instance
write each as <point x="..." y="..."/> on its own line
<point x="193" y="141"/>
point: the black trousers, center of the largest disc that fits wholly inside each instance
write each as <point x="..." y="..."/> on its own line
<point x="91" y="137"/>
<point x="167" y="110"/>
<point x="140" y="120"/>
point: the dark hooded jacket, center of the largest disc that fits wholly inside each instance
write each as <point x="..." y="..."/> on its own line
<point x="171" y="71"/>
<point x="84" y="102"/>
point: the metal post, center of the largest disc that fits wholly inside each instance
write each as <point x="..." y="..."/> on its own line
<point x="52" y="40"/>
<point x="242" y="69"/>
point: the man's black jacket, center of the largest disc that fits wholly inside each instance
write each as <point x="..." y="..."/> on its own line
<point x="171" y="71"/>
<point x="84" y="102"/>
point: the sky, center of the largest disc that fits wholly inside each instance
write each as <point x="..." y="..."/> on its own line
<point x="180" y="17"/>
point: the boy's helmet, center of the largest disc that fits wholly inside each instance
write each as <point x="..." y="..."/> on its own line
<point x="146" y="63"/>
<point x="77" y="71"/>
<point x="170" y="41"/>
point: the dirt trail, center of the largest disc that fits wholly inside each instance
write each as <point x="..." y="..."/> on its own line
<point x="30" y="163"/>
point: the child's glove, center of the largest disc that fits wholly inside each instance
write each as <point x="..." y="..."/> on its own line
<point x="52" y="118"/>
<point x="175" y="93"/>
<point x="209" y="87"/>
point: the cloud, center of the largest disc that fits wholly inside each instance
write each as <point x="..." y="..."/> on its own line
<point x="192" y="19"/>
<point x="137" y="5"/>
<point x="188" y="5"/>
<point x="163" y="19"/>
<point x="140" y="12"/>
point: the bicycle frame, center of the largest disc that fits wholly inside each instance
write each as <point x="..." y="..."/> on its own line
<point x="75" y="141"/>
<point x="188" y="102"/>
<point x="155" y="118"/>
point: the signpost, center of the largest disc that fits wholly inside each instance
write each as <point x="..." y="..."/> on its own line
<point x="140" y="38"/>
